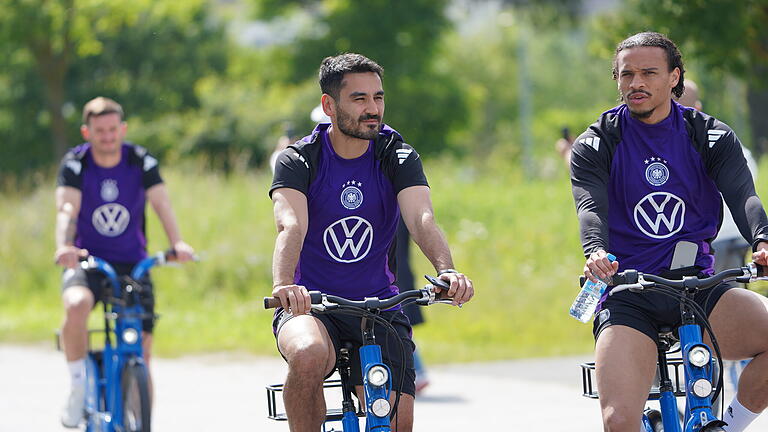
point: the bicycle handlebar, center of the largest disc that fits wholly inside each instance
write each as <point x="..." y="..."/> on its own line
<point x="322" y="302"/>
<point x="139" y="270"/>
<point x="636" y="281"/>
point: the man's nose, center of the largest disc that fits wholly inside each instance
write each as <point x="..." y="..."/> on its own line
<point x="371" y="107"/>
<point x="637" y="82"/>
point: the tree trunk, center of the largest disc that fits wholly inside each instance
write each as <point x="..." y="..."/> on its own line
<point x="55" y="91"/>
<point x="757" y="90"/>
<point x="757" y="99"/>
<point x="53" y="70"/>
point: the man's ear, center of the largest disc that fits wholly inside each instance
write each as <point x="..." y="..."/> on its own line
<point x="85" y="132"/>
<point x="675" y="77"/>
<point x="329" y="105"/>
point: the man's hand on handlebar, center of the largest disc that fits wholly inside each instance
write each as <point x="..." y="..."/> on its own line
<point x="461" y="290"/>
<point x="599" y="266"/>
<point x="761" y="256"/>
<point x="183" y="252"/>
<point x="293" y="298"/>
<point x="69" y="256"/>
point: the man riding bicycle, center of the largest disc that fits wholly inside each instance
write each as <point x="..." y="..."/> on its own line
<point x="103" y="186"/>
<point x="337" y="196"/>
<point x="647" y="179"/>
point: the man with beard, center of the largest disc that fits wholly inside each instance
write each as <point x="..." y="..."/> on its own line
<point x="338" y="194"/>
<point x="647" y="178"/>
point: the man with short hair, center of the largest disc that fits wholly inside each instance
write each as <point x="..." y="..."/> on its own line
<point x="103" y="186"/>
<point x="647" y="176"/>
<point x="337" y="196"/>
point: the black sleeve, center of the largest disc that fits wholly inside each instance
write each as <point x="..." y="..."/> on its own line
<point x="590" y="172"/>
<point x="291" y="171"/>
<point x="150" y="172"/>
<point x="726" y="165"/>
<point x="406" y="168"/>
<point x="70" y="171"/>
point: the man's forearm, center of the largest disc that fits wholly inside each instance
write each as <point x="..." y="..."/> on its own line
<point x="168" y="219"/>
<point x="66" y="227"/>
<point x="286" y="256"/>
<point x="432" y="243"/>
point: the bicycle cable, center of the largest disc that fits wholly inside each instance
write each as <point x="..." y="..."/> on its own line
<point x="701" y="316"/>
<point x="363" y="313"/>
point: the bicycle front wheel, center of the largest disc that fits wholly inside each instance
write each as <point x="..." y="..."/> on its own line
<point x="136" y="404"/>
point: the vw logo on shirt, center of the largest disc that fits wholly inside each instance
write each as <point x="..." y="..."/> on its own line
<point x="111" y="219"/>
<point x="660" y="215"/>
<point x="349" y="239"/>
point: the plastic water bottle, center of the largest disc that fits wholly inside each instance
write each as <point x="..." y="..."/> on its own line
<point x="584" y="305"/>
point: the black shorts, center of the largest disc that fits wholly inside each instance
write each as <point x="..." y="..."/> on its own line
<point x="648" y="312"/>
<point x="346" y="328"/>
<point x="98" y="283"/>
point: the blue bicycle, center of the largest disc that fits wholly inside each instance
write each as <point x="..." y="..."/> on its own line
<point x="117" y="379"/>
<point x="695" y="370"/>
<point x="377" y="384"/>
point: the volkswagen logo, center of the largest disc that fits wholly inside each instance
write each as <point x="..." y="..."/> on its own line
<point x="660" y="215"/>
<point x="348" y="240"/>
<point x="111" y="219"/>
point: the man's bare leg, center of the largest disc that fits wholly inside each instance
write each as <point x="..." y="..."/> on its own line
<point x="626" y="362"/>
<point x="305" y="343"/>
<point x="740" y="323"/>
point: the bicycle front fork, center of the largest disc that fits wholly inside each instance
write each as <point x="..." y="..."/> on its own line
<point x="376" y="384"/>
<point x="699" y="366"/>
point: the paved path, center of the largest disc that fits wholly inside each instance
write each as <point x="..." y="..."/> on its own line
<point x="222" y="392"/>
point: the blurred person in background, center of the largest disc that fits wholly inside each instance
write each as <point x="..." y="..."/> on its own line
<point x="730" y="247"/>
<point x="101" y="192"/>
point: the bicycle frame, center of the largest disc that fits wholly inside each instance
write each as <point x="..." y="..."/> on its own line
<point x="370" y="358"/>
<point x="377" y="376"/>
<point x="104" y="400"/>
<point x="698" y="411"/>
<point x="698" y="363"/>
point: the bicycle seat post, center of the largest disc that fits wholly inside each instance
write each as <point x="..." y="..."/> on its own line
<point x="665" y="383"/>
<point x="342" y="365"/>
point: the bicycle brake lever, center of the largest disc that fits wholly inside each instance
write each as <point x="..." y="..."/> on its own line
<point x="757" y="272"/>
<point x="636" y="287"/>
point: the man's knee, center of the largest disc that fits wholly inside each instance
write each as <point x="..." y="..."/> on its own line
<point x="78" y="302"/>
<point x="615" y="420"/>
<point x="307" y="357"/>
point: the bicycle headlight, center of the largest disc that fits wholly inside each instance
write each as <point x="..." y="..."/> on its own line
<point x="701" y="387"/>
<point x="378" y="375"/>
<point x="698" y="356"/>
<point x="380" y="407"/>
<point x="130" y="336"/>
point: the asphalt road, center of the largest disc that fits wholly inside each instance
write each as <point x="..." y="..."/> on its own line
<point x="222" y="392"/>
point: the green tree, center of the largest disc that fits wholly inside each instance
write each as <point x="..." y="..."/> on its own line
<point x="147" y="54"/>
<point x="424" y="102"/>
<point x="726" y="36"/>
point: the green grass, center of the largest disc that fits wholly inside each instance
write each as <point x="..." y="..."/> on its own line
<point x="517" y="239"/>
